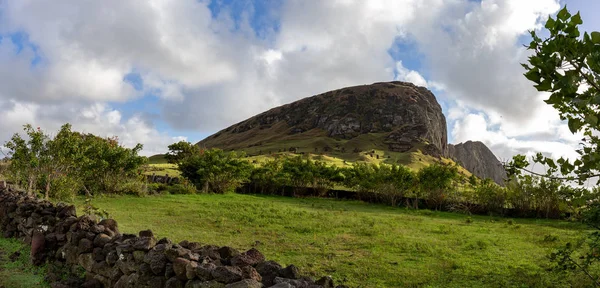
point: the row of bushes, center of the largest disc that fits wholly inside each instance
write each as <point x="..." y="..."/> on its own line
<point x="439" y="186"/>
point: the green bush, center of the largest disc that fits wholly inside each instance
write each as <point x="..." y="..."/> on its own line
<point x="215" y="170"/>
<point x="435" y="183"/>
<point x="491" y="196"/>
<point x="182" y="188"/>
<point x="157" y="188"/>
<point x="133" y="187"/>
<point x="64" y="188"/>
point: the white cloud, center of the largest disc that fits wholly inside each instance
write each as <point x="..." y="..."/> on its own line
<point x="95" y="118"/>
<point x="404" y="74"/>
<point x="209" y="75"/>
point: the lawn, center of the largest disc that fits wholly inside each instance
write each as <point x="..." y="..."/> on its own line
<point x="18" y="273"/>
<point x="360" y="244"/>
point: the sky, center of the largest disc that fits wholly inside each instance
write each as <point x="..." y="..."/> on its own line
<point x="158" y="71"/>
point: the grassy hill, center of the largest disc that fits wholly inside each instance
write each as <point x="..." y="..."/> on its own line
<point x="413" y="160"/>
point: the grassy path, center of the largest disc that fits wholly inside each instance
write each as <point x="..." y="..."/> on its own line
<point x="364" y="245"/>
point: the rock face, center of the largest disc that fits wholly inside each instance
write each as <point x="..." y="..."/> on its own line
<point x="478" y="159"/>
<point x="393" y="116"/>
<point x="406" y="116"/>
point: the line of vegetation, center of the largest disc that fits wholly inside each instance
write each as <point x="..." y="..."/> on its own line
<point x="438" y="186"/>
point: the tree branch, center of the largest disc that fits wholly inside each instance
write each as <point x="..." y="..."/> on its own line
<point x="557" y="177"/>
<point x="584" y="271"/>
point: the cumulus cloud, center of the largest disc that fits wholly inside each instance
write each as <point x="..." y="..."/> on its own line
<point x="404" y="74"/>
<point x="95" y="118"/>
<point x="210" y="71"/>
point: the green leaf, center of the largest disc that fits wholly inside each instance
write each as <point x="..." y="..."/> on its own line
<point x="533" y="75"/>
<point x="563" y="14"/>
<point x="591" y="119"/>
<point x="574" y="125"/>
<point x="576" y="19"/>
<point x="553" y="99"/>
<point x="550" y="24"/>
<point x="546" y="85"/>
<point x="595" y="37"/>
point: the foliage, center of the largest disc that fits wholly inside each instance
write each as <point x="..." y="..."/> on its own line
<point x="180" y="151"/>
<point x="182" y="188"/>
<point x="567" y="65"/>
<point x="91" y="210"/>
<point x="392" y="182"/>
<point x="215" y="170"/>
<point x="491" y="196"/>
<point x="71" y="161"/>
<point x="29" y="158"/>
<point x="435" y="182"/>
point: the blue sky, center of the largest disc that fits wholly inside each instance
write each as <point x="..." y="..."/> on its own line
<point x="161" y="71"/>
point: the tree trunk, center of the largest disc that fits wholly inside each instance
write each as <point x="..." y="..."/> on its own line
<point x="30" y="186"/>
<point x="47" y="193"/>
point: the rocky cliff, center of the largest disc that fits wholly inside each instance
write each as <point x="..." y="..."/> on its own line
<point x="478" y="159"/>
<point x="396" y="117"/>
<point x="401" y="114"/>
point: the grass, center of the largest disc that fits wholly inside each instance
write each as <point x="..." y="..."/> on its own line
<point x="19" y="273"/>
<point x="360" y="244"/>
<point x="162" y="169"/>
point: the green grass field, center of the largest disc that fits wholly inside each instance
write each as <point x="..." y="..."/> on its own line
<point x="20" y="273"/>
<point x="360" y="244"/>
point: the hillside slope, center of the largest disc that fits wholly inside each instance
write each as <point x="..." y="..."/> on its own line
<point x="397" y="121"/>
<point x="394" y="116"/>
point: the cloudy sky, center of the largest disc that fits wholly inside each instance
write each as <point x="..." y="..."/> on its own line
<point x="157" y="71"/>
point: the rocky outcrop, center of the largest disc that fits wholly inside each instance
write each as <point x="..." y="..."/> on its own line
<point x="111" y="259"/>
<point x="407" y="115"/>
<point x="477" y="159"/>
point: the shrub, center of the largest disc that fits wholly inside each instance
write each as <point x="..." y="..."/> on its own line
<point x="182" y="188"/>
<point x="435" y="182"/>
<point x="64" y="188"/>
<point x="491" y="196"/>
<point x="215" y="170"/>
<point x="132" y="187"/>
<point x="157" y="188"/>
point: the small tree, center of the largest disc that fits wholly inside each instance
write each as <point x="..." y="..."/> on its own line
<point x="435" y="181"/>
<point x="181" y="150"/>
<point x="215" y="170"/>
<point x="28" y="157"/>
<point x="70" y="160"/>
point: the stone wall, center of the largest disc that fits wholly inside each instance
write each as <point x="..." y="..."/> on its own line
<point x="112" y="259"/>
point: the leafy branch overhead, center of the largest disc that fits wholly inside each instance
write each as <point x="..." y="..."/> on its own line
<point x="567" y="65"/>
